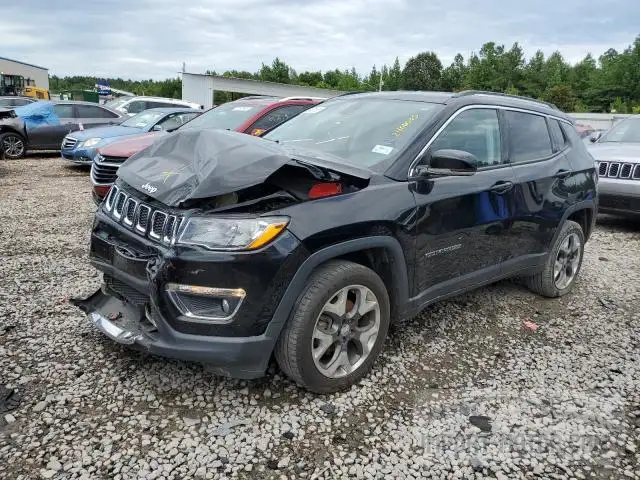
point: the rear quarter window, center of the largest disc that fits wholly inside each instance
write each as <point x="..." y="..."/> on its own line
<point x="529" y="137"/>
<point x="557" y="135"/>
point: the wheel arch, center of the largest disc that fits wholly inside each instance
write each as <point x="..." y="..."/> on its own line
<point x="391" y="267"/>
<point x="584" y="214"/>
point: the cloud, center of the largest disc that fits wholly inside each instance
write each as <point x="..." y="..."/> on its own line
<point x="152" y="38"/>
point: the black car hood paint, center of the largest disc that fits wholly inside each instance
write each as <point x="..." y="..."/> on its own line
<point x="194" y="164"/>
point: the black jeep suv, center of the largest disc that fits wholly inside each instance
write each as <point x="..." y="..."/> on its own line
<point x="305" y="244"/>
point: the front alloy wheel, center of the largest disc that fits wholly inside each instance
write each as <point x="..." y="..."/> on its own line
<point x="336" y="329"/>
<point x="346" y="331"/>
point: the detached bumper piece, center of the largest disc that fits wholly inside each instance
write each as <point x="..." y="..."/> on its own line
<point x="135" y="326"/>
<point x="122" y="322"/>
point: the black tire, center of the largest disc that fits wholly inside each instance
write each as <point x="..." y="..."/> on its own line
<point x="543" y="282"/>
<point x="293" y="349"/>
<point x="12" y="154"/>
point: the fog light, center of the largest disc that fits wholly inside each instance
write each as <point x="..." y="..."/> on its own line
<point x="205" y="304"/>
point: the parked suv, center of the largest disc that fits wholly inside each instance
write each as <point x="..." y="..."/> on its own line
<point x="253" y="115"/>
<point x="306" y="244"/>
<point x="617" y="155"/>
<point x="134" y="105"/>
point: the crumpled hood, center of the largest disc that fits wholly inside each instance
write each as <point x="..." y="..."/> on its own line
<point x="193" y="164"/>
<point x="615" y="151"/>
<point x="105" y="132"/>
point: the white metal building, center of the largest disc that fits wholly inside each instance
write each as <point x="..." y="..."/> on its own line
<point x="199" y="88"/>
<point x="39" y="75"/>
<point x="599" y="121"/>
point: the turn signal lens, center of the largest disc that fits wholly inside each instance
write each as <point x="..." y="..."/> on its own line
<point x="267" y="235"/>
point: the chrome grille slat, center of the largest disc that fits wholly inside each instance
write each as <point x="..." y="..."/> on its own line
<point x="625" y="171"/>
<point x="636" y="172"/>
<point x="614" y="168"/>
<point x="602" y="169"/>
<point x="142" y="223"/>
<point x="158" y="222"/>
<point x="130" y="212"/>
<point x="110" y="197"/>
<point x="119" y="206"/>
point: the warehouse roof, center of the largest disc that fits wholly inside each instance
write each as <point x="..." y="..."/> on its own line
<point x="23" y="63"/>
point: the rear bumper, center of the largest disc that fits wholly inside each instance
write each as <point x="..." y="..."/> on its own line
<point x="238" y="357"/>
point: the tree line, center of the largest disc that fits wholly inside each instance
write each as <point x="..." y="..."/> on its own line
<point x="610" y="83"/>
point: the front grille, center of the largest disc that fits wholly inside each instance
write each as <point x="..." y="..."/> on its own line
<point x="69" y="142"/>
<point x="144" y="219"/>
<point x="105" y="168"/>
<point x="619" y="170"/>
<point x="130" y="294"/>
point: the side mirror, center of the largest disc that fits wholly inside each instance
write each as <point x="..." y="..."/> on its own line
<point x="157" y="128"/>
<point x="595" y="137"/>
<point x="450" y="163"/>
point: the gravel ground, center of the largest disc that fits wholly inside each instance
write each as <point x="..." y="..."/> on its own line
<point x="463" y="391"/>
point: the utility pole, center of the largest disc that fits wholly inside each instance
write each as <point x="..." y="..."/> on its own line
<point x="381" y="82"/>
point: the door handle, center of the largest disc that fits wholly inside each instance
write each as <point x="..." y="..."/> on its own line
<point x="562" y="173"/>
<point x="502" y="187"/>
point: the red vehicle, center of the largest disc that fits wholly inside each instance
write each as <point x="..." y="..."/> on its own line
<point x="252" y="115"/>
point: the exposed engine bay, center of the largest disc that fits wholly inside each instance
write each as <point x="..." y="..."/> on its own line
<point x="287" y="186"/>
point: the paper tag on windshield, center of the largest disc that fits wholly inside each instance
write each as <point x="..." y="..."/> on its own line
<point x="242" y="109"/>
<point x="382" y="149"/>
<point x="317" y="109"/>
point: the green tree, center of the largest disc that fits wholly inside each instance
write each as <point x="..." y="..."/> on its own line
<point x="278" y="72"/>
<point x="561" y="96"/>
<point x="393" y="79"/>
<point x="453" y="75"/>
<point x="422" y="72"/>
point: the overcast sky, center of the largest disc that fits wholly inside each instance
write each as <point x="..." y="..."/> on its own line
<point x="151" y="38"/>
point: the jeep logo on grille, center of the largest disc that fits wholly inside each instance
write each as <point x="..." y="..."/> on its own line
<point x="149" y="188"/>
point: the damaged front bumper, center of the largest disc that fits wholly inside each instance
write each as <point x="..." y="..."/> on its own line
<point x="152" y="292"/>
<point x="136" y="327"/>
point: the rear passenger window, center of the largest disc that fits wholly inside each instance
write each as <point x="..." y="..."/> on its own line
<point x="557" y="135"/>
<point x="476" y="131"/>
<point x="528" y="136"/>
<point x="63" y="110"/>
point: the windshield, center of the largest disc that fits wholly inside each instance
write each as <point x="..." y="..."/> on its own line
<point x="143" y="119"/>
<point x="363" y="132"/>
<point x="118" y="102"/>
<point x="227" y="117"/>
<point x="626" y="131"/>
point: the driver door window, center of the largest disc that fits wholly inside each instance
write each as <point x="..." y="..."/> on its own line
<point x="476" y="131"/>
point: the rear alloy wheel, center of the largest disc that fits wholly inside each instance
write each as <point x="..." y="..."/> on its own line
<point x="12" y="146"/>
<point x="563" y="263"/>
<point x="337" y="328"/>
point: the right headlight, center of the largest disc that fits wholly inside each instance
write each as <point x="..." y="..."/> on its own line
<point x="231" y="233"/>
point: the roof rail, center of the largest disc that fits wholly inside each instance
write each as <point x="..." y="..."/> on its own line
<point x="465" y="93"/>
<point x="253" y="97"/>
<point x="302" y="97"/>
